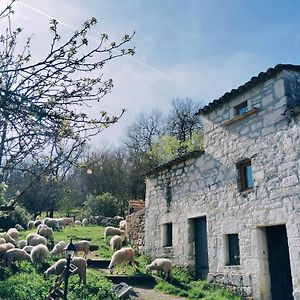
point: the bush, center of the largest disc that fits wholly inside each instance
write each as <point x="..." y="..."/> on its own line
<point x="19" y="216"/>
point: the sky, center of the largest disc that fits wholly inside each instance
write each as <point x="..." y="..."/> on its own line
<point x="184" y="48"/>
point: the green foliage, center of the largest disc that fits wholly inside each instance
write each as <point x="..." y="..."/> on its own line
<point x="104" y="205"/>
<point x="3" y="188"/>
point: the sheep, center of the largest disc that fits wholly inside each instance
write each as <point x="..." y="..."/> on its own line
<point x="14" y="233"/>
<point x="28" y="249"/>
<point x="15" y="255"/>
<point x="5" y="247"/>
<point x="58" y="248"/>
<point x="19" y="227"/>
<point x="122" y="256"/>
<point x="34" y="239"/>
<point x="115" y="242"/>
<point x="69" y="221"/>
<point x="77" y="223"/>
<point x="85" y="222"/>
<point x="30" y="225"/>
<point x="123" y="225"/>
<point x="40" y="226"/>
<point x="51" y="223"/>
<point x="83" y="246"/>
<point x="2" y="241"/>
<point x="108" y="231"/>
<point x="61" y="222"/>
<point x="118" y="219"/>
<point x="162" y="265"/>
<point x="59" y="266"/>
<point x="9" y="239"/>
<point x="47" y="232"/>
<point x="22" y="244"/>
<point x="38" y="254"/>
<point x="37" y="223"/>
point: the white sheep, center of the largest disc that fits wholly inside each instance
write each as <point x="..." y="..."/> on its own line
<point x="122" y="256"/>
<point x="22" y="244"/>
<point x="15" y="254"/>
<point x="37" y="223"/>
<point x="34" y="239"/>
<point x="123" y="225"/>
<point x="59" y="266"/>
<point x="162" y="265"/>
<point x="2" y="240"/>
<point x="30" y="225"/>
<point x="14" y="233"/>
<point x="77" y="222"/>
<point x="38" y="254"/>
<point x="58" y="248"/>
<point x="19" y="227"/>
<point x="109" y="231"/>
<point x="61" y="222"/>
<point x="50" y="222"/>
<point x="40" y="226"/>
<point x="115" y="242"/>
<point x="69" y="221"/>
<point x="85" y="222"/>
<point x="5" y="247"/>
<point x="82" y="246"/>
<point x="118" y="219"/>
<point x="9" y="239"/>
<point x="28" y="249"/>
<point x="46" y="232"/>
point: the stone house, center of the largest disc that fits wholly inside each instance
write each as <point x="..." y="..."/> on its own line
<point x="231" y="213"/>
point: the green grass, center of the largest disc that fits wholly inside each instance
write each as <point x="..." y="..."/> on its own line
<point x="181" y="284"/>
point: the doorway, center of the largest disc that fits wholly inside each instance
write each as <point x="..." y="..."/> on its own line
<point x="201" y="249"/>
<point x="279" y="263"/>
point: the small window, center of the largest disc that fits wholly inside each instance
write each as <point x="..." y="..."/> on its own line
<point x="233" y="250"/>
<point x="241" y="108"/>
<point x="167" y="235"/>
<point x="169" y="193"/>
<point x="245" y="175"/>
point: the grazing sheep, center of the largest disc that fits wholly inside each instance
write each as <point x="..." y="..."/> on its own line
<point x="77" y="223"/>
<point x="2" y="241"/>
<point x="38" y="254"/>
<point x="116" y="242"/>
<point x="15" y="254"/>
<point x="22" y="244"/>
<point x="162" y="265"/>
<point x="28" y="249"/>
<point x="14" y="233"/>
<point x="51" y="223"/>
<point x="85" y="222"/>
<point x="40" y="226"/>
<point x="46" y="232"/>
<point x="5" y="247"/>
<point x="59" y="248"/>
<point x="108" y="231"/>
<point x="34" y="239"/>
<point x="19" y="227"/>
<point x="82" y="246"/>
<point x="118" y="219"/>
<point x="122" y="256"/>
<point x="123" y="225"/>
<point x="9" y="239"/>
<point x="37" y="223"/>
<point x="58" y="268"/>
<point x="69" y="221"/>
<point x="30" y="225"/>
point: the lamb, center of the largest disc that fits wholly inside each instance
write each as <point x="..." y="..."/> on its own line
<point x="83" y="246"/>
<point x="51" y="223"/>
<point x="122" y="256"/>
<point x="46" y="232"/>
<point x="14" y="233"/>
<point x="28" y="249"/>
<point x="116" y="242"/>
<point x="19" y="227"/>
<point x="123" y="225"/>
<point x="85" y="222"/>
<point x="114" y="231"/>
<point x="162" y="265"/>
<point x="77" y="222"/>
<point x="34" y="239"/>
<point x="22" y="244"/>
<point x="38" y="254"/>
<point x="5" y="247"/>
<point x="15" y="254"/>
<point x="58" y="268"/>
<point x="58" y="248"/>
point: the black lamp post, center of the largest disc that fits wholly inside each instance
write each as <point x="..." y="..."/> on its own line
<point x="69" y="254"/>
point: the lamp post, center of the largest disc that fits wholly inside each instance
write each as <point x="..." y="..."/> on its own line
<point x="69" y="254"/>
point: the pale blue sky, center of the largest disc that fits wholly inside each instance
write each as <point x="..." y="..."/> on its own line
<point x="184" y="48"/>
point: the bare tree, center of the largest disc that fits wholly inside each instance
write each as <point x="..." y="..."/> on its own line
<point x="44" y="104"/>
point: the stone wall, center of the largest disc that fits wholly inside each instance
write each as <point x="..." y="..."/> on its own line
<point x="136" y="230"/>
<point x="208" y="186"/>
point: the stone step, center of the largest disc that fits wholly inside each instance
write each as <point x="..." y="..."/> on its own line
<point x="145" y="280"/>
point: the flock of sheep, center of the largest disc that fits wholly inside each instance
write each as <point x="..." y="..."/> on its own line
<point x="34" y="248"/>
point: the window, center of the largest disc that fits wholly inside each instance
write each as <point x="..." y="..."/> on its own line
<point x="169" y="193"/>
<point x="245" y="175"/>
<point x="233" y="250"/>
<point x="167" y="235"/>
<point x="241" y="108"/>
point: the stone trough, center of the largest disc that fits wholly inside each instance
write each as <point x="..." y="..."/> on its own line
<point x="141" y="279"/>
